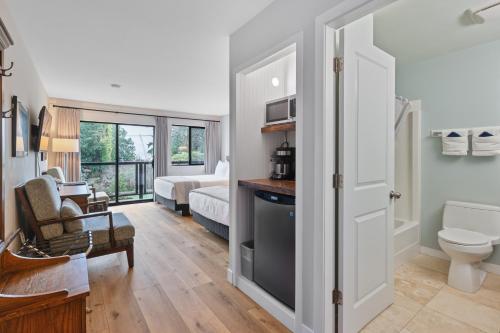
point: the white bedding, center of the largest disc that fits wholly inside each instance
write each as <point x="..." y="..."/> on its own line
<point x="211" y="202"/>
<point x="174" y="187"/>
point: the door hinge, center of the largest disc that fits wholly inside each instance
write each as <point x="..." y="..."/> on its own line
<point x="338" y="64"/>
<point x="338" y="181"/>
<point x="337" y="297"/>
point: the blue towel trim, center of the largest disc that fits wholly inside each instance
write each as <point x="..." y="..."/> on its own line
<point x="485" y="134"/>
<point x="454" y="135"/>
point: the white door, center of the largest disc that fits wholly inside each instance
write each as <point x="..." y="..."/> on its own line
<point x="366" y="161"/>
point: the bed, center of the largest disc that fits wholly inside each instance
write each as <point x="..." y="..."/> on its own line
<point x="210" y="208"/>
<point x="173" y="191"/>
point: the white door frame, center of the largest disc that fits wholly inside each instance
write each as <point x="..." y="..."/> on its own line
<point x="291" y="320"/>
<point x="325" y="27"/>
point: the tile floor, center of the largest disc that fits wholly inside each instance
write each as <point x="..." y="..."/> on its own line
<point x="425" y="304"/>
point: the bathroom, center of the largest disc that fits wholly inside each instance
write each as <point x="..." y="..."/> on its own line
<point x="447" y="74"/>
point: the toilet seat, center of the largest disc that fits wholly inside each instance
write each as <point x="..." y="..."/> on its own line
<point x="463" y="237"/>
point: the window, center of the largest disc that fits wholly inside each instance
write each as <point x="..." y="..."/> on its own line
<point x="187" y="145"/>
<point x="126" y="173"/>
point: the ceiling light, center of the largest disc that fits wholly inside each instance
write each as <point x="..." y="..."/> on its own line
<point x="479" y="15"/>
<point x="115" y="85"/>
<point x="275" y="82"/>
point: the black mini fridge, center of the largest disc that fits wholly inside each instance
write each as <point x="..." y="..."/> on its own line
<point x="274" y="241"/>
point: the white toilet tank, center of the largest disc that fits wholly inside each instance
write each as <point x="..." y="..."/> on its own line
<point x="484" y="219"/>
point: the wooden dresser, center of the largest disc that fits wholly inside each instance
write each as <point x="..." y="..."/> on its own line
<point x="43" y="295"/>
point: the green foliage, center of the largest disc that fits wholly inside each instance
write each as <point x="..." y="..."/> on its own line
<point x="180" y="144"/>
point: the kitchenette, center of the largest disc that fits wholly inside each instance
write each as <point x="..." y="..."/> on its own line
<point x="263" y="243"/>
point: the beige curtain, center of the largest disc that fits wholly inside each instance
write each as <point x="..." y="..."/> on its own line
<point x="212" y="146"/>
<point x="68" y="127"/>
<point x="161" y="147"/>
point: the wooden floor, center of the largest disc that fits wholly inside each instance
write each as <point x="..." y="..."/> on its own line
<point x="178" y="283"/>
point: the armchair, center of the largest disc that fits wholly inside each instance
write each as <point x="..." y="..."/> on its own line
<point x="40" y="209"/>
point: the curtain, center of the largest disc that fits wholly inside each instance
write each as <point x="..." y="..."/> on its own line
<point x="161" y="147"/>
<point x="5" y="38"/>
<point x="68" y="127"/>
<point x="212" y="146"/>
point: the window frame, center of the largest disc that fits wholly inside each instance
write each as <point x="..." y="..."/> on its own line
<point x="117" y="163"/>
<point x="190" y="157"/>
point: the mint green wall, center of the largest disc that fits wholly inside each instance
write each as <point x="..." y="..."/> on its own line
<point x="460" y="89"/>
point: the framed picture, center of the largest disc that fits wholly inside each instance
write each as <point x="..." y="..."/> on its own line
<point x="20" y="129"/>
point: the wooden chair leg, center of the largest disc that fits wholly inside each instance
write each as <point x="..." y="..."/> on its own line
<point x="130" y="256"/>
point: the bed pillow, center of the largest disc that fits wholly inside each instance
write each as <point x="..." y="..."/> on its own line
<point x="220" y="169"/>
<point x="69" y="208"/>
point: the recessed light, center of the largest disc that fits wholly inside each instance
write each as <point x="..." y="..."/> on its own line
<point x="275" y="82"/>
<point x="115" y="85"/>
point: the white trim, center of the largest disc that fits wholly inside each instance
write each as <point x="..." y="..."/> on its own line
<point x="485" y="266"/>
<point x="325" y="25"/>
<point x="296" y="42"/>
<point x="434" y="253"/>
<point x="268" y="302"/>
<point x="306" y="329"/>
<point x="230" y="276"/>
<point x="406" y="254"/>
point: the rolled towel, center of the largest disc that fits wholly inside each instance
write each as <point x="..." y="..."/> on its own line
<point x="455" y="142"/>
<point x="486" y="141"/>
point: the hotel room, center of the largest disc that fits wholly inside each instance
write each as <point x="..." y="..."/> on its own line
<point x="250" y="166"/>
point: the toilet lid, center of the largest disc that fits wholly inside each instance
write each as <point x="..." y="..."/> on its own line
<point x="463" y="237"/>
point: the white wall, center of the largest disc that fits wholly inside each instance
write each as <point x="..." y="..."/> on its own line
<point x="26" y="84"/>
<point x="276" y="24"/>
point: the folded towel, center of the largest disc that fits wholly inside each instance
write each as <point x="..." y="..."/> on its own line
<point x="455" y="142"/>
<point x="486" y="141"/>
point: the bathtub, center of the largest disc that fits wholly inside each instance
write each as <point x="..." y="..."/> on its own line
<point x="406" y="240"/>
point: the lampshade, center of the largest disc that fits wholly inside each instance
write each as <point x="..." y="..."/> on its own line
<point x="60" y="145"/>
<point x="19" y="143"/>
<point x="44" y="143"/>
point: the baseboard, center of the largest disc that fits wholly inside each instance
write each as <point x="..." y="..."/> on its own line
<point x="267" y="302"/>
<point x="306" y="329"/>
<point x="406" y="254"/>
<point x="486" y="266"/>
<point x="230" y="276"/>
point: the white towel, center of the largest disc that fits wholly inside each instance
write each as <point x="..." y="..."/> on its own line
<point x="455" y="142"/>
<point x="486" y="141"/>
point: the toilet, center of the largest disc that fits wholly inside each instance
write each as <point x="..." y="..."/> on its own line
<point x="469" y="233"/>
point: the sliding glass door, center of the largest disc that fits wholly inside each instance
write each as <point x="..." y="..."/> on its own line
<point x="124" y="173"/>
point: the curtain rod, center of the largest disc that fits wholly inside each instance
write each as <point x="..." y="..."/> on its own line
<point x="130" y="113"/>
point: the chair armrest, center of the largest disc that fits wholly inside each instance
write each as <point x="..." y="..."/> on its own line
<point x="74" y="218"/>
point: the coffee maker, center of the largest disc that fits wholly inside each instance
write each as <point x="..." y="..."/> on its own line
<point x="283" y="162"/>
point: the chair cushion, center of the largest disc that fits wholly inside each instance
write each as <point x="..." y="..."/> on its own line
<point x="70" y="208"/>
<point x="57" y="174"/>
<point x="100" y="196"/>
<point x="99" y="226"/>
<point x="46" y="204"/>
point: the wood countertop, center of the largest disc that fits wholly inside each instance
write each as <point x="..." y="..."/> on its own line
<point x="286" y="187"/>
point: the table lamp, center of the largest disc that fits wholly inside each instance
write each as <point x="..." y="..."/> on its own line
<point x="65" y="146"/>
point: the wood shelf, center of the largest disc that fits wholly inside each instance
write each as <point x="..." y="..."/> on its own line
<point x="286" y="187"/>
<point x="279" y="127"/>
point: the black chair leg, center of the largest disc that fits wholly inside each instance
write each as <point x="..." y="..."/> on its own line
<point x="130" y="256"/>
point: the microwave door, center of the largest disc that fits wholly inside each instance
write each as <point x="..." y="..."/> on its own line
<point x="277" y="111"/>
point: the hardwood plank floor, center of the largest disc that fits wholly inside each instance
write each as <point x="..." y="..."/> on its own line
<point x="178" y="283"/>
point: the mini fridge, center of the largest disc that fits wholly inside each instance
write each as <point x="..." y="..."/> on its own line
<point x="274" y="242"/>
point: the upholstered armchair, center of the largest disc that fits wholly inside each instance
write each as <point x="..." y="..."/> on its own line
<point x="49" y="222"/>
<point x="101" y="197"/>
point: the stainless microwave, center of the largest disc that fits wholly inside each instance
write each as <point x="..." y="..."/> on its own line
<point x="281" y="110"/>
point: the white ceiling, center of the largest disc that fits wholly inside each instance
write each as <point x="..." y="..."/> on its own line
<point x="416" y="30"/>
<point x="167" y="54"/>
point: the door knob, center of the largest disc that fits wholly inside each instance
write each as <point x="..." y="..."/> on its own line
<point x="395" y="195"/>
